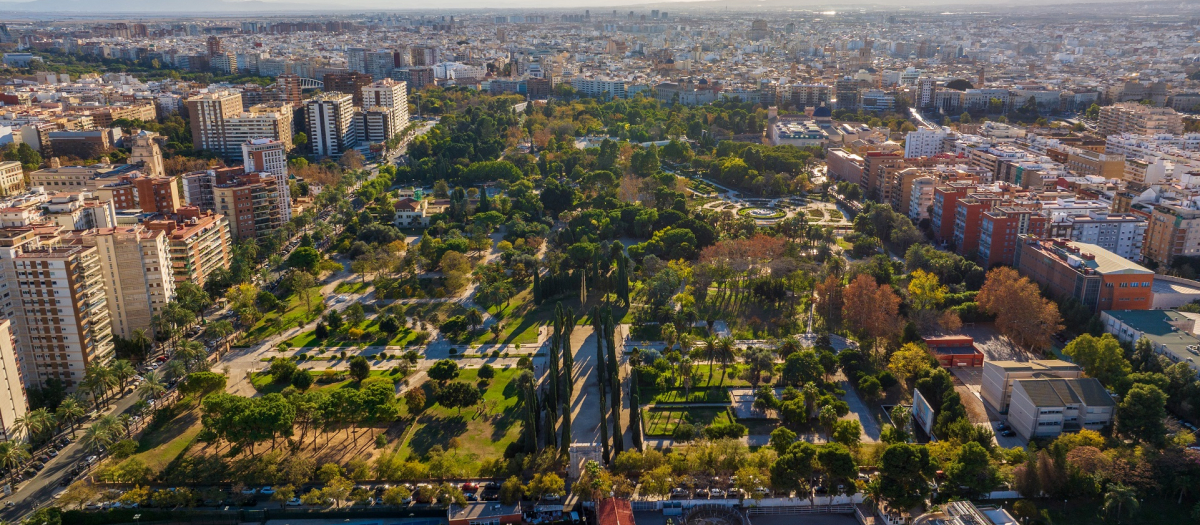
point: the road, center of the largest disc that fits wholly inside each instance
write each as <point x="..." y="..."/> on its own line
<point x="37" y="491"/>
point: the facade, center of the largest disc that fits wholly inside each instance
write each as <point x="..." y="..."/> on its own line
<point x="1045" y="408"/>
<point x="484" y="513"/>
<point x="1121" y="233"/>
<point x="1173" y="231"/>
<point x="385" y="110"/>
<point x="331" y="124"/>
<point x="136" y="272"/>
<point x="198" y="243"/>
<point x="13" y="401"/>
<point x="1135" y="118"/>
<point x="1098" y="278"/>
<point x="268" y="157"/>
<point x="924" y="142"/>
<point x="146" y="154"/>
<point x="210" y="113"/>
<point x="348" y="82"/>
<point x="999" y="232"/>
<point x="262" y="121"/>
<point x="12" y="179"/>
<point x="796" y="133"/>
<point x="252" y="203"/>
<point x="1172" y="334"/>
<point x="411" y="213"/>
<point x="998" y="377"/>
<point x="60" y="338"/>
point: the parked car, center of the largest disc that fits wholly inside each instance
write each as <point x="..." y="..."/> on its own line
<point x="294" y="502"/>
<point x="716" y="493"/>
<point x="90" y="460"/>
<point x="1008" y="433"/>
<point x="249" y="491"/>
<point x="267" y="491"/>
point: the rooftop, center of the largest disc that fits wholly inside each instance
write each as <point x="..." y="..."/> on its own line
<point x="483" y="509"/>
<point x="1058" y="392"/>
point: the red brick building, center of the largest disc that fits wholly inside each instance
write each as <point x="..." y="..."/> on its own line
<point x="999" y="229"/>
<point x="968" y="221"/>
<point x="945" y="202"/>
<point x="955" y="350"/>
<point x="1098" y="278"/>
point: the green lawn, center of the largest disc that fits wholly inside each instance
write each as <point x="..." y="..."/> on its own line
<point x="701" y="379"/>
<point x="351" y="286"/>
<point x="482" y="432"/>
<point x="265" y="383"/>
<point x="273" y="323"/>
<point x="663" y="422"/>
<point x="816" y="214"/>
<point x="373" y="337"/>
<point x="696" y="395"/>
<point x="158" y="448"/>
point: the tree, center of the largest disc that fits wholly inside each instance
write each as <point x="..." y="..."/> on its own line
<point x="414" y="399"/>
<point x="972" y="473"/>
<point x="458" y="395"/>
<point x="69" y="411"/>
<point x="360" y="369"/>
<point x="847" y="432"/>
<point x="902" y="475"/>
<point x="302" y="380"/>
<point x="1118" y="497"/>
<point x="1022" y="314"/>
<point x="909" y="361"/>
<point x="871" y="310"/>
<point x="546" y="484"/>
<point x="305" y="258"/>
<point x="758" y="360"/>
<point x="152" y="386"/>
<point x="443" y="370"/>
<point x="791" y="471"/>
<point x="1141" y="414"/>
<point x="802" y="367"/>
<point x="782" y="439"/>
<point x="1100" y="357"/>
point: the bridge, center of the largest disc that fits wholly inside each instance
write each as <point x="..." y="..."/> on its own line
<point x="311" y="83"/>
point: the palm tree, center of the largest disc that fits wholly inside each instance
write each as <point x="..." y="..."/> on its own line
<point x="1118" y="497"/>
<point x="221" y="330"/>
<point x="668" y="337"/>
<point x="192" y="353"/>
<point x="104" y="432"/>
<point x="141" y="341"/>
<point x="175" y="368"/>
<point x="710" y="353"/>
<point x="725" y="346"/>
<point x="152" y="387"/>
<point x="123" y="371"/>
<point x="36" y="422"/>
<point x="98" y="380"/>
<point x="69" y="411"/>
<point x="13" y="454"/>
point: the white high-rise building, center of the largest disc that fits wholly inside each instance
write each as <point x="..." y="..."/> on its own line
<point x="331" y="124"/>
<point x="385" y="109"/>
<point x="925" y="142"/>
<point x="269" y="156"/>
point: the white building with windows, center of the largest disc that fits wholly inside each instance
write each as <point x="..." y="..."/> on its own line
<point x="925" y="142"/>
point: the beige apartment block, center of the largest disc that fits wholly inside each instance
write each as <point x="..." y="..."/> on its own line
<point x="138" y="277"/>
<point x="13" y="402"/>
<point x="998" y="378"/>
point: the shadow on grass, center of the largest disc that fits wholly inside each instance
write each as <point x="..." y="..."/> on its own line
<point x="436" y="431"/>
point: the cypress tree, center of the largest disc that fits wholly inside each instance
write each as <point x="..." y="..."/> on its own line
<point x="563" y="322"/>
<point x="485" y="204"/>
<point x="537" y="286"/>
<point x="614" y="376"/>
<point x="530" y="420"/>
<point x="598" y="328"/>
<point x="635" y="410"/>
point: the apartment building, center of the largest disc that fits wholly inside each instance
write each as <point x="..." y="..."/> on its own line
<point x="268" y="157"/>
<point x="1138" y="119"/>
<point x="262" y="121"/>
<point x="920" y="197"/>
<point x="1000" y="230"/>
<point x="877" y="169"/>
<point x="252" y="204"/>
<point x="79" y="178"/>
<point x="600" y="88"/>
<point x="348" y="82"/>
<point x="1096" y="277"/>
<point x="1172" y="231"/>
<point x="63" y="321"/>
<point x="1120" y="233"/>
<point x="945" y="203"/>
<point x="13" y="401"/>
<point x="385" y="110"/>
<point x="1088" y="162"/>
<point x="998" y="378"/>
<point x="136" y="271"/>
<point x="78" y="211"/>
<point x="968" y="221"/>
<point x="331" y="124"/>
<point x="925" y="142"/>
<point x="210" y="113"/>
<point x="198" y="242"/>
<point x="1045" y="408"/>
<point x="12" y="179"/>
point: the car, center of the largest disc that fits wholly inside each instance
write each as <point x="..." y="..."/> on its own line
<point x="471" y="496"/>
<point x="491" y="496"/>
<point x="716" y="493"/>
<point x="53" y="453"/>
<point x="90" y="460"/>
<point x="551" y="497"/>
<point x="1008" y="433"/>
<point x="492" y="485"/>
<point x="94" y="506"/>
<point x="763" y="490"/>
<point x="161" y="359"/>
<point x="679" y="492"/>
<point x="1001" y="426"/>
<point x="469" y="487"/>
<point x="294" y="502"/>
<point x="249" y="491"/>
<point x="267" y="491"/>
<point x="9" y="504"/>
<point x="66" y="480"/>
<point x="39" y="465"/>
<point x="43" y="458"/>
<point x="133" y="505"/>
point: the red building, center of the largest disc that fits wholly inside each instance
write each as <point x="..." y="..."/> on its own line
<point x="1098" y="278"/>
<point x="998" y="242"/>
<point x="945" y="200"/>
<point x="614" y="511"/>
<point x="968" y="219"/>
<point x="955" y="350"/>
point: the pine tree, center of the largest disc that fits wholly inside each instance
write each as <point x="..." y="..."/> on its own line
<point x="598" y="329"/>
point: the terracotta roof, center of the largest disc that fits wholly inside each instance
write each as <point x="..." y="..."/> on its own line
<point x="614" y="511"/>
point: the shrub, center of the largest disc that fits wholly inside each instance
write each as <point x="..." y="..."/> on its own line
<point x="887" y="379"/>
<point x="724" y="430"/>
<point x="487" y="372"/>
<point x="684" y="432"/>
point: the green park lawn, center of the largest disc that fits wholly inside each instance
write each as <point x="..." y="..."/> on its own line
<point x="696" y="395"/>
<point x="273" y="322"/>
<point x="265" y="383"/>
<point x="663" y="422"/>
<point x="372" y="337"/>
<point x="354" y="287"/>
<point x="159" y="447"/>
<point x="481" y="433"/>
<point x="701" y="379"/>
